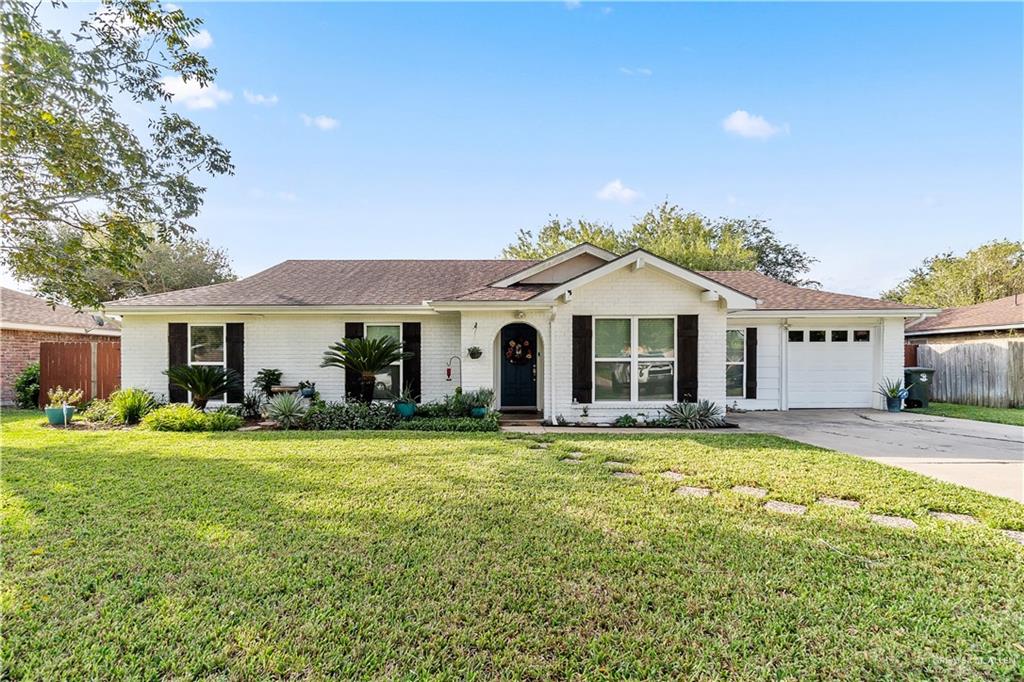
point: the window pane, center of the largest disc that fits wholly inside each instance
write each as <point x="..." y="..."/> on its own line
<point x="657" y="338"/>
<point x="387" y="383"/>
<point x="734" y="345"/>
<point x="611" y="381"/>
<point x="382" y="331"/>
<point x="840" y="335"/>
<point x="796" y="336"/>
<point x="655" y="380"/>
<point x="208" y="344"/>
<point x="611" y="338"/>
<point x="816" y="336"/>
<point x="734" y="381"/>
<point x="862" y="335"/>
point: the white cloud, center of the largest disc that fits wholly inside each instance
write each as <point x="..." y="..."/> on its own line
<point x="616" y="191"/>
<point x="195" y="96"/>
<point x="626" y="71"/>
<point x="256" y="98"/>
<point x="322" y="122"/>
<point x="201" y="40"/>
<point x="745" y="124"/>
<point x="572" y="4"/>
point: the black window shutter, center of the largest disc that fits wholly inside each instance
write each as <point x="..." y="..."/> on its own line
<point x="751" y="363"/>
<point x="235" y="356"/>
<point x="582" y="360"/>
<point x="411" y="343"/>
<point x="177" y="355"/>
<point x="686" y="381"/>
<point x="353" y="330"/>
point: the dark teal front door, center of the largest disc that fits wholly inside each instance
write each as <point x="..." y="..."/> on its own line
<point x="518" y="366"/>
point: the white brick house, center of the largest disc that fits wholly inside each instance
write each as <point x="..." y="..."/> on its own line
<point x="583" y="330"/>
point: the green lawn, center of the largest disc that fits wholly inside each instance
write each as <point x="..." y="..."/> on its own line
<point x="130" y="554"/>
<point x="999" y="415"/>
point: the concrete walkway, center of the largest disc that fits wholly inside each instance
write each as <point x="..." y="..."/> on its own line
<point x="979" y="455"/>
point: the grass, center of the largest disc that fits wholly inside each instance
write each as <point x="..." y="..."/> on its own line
<point x="130" y="554"/>
<point x="998" y="415"/>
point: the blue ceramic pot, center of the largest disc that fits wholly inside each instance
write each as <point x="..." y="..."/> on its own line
<point x="477" y="412"/>
<point x="59" y="416"/>
<point x="405" y="410"/>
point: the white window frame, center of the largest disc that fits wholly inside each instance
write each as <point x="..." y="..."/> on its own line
<point x="634" y="358"/>
<point x="401" y="368"/>
<point x="222" y="398"/>
<point x="743" y="362"/>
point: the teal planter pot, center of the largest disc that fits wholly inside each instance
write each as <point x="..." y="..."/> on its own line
<point x="892" y="403"/>
<point x="58" y="416"/>
<point x="405" y="410"/>
<point x="477" y="412"/>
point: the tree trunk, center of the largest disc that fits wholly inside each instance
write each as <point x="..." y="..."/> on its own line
<point x="366" y="389"/>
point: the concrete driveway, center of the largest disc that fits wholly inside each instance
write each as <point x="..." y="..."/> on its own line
<point x="979" y="455"/>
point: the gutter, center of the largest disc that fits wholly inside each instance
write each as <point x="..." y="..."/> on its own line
<point x="965" y="330"/>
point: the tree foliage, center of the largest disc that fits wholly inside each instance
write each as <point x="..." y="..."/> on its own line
<point x="991" y="271"/>
<point x="683" y="237"/>
<point x="165" y="266"/>
<point x="79" y="184"/>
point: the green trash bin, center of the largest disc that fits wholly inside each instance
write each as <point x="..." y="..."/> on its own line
<point x="919" y="380"/>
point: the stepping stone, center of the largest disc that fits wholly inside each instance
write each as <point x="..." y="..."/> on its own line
<point x="570" y="460"/>
<point x="785" y="507"/>
<point x="839" y="502"/>
<point x="248" y="428"/>
<point x="269" y="424"/>
<point x="1015" y="535"/>
<point x="749" y="490"/>
<point x="690" y="491"/>
<point x="953" y="518"/>
<point x="615" y="465"/>
<point x="892" y="521"/>
<point x="672" y="475"/>
<point x="625" y="475"/>
<point x="575" y="454"/>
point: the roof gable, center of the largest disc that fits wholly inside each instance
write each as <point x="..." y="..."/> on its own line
<point x="560" y="267"/>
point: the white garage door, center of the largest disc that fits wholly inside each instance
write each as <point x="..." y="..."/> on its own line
<point x="831" y="367"/>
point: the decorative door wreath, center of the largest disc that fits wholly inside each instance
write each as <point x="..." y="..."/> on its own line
<point x="519" y="351"/>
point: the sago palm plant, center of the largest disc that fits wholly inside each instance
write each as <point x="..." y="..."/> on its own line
<point x="366" y="357"/>
<point x="203" y="381"/>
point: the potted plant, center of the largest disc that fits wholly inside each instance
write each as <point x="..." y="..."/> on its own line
<point x="405" y="402"/>
<point x="266" y="379"/>
<point x="479" y="402"/>
<point x="60" y="405"/>
<point x="894" y="393"/>
<point x="307" y="389"/>
<point x="366" y="358"/>
<point x="474" y="352"/>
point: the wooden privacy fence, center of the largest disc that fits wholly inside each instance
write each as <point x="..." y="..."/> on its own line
<point x="990" y="374"/>
<point x="94" y="367"/>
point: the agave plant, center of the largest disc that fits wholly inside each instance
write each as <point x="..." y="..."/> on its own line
<point x="203" y="381"/>
<point x="366" y="358"/>
<point x="287" y="409"/>
<point x="702" y="414"/>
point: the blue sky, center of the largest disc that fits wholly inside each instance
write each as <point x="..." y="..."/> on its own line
<point x="871" y="135"/>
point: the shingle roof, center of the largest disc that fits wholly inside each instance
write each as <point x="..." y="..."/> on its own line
<point x="410" y="282"/>
<point x="776" y="295"/>
<point x="344" y="282"/>
<point x="999" y="313"/>
<point x="19" y="308"/>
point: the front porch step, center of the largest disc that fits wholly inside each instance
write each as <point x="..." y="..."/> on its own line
<point x="520" y="419"/>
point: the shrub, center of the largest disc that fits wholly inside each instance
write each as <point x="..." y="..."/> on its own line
<point x="222" y="420"/>
<point x="286" y="409"/>
<point x="26" y="387"/>
<point x="130" y="405"/>
<point x="702" y="414"/>
<point x="203" y="381"/>
<point x="625" y="420"/>
<point x="266" y="379"/>
<point x="176" y="417"/>
<point x="455" y="405"/>
<point x="483" y="397"/>
<point x="465" y="424"/>
<point x="57" y="397"/>
<point x="351" y="416"/>
<point x="99" y="411"/>
<point x="252" y="405"/>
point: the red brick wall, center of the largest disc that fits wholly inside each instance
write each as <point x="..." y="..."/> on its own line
<point x="20" y="348"/>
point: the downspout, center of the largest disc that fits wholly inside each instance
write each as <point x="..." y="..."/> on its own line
<point x="784" y="365"/>
<point x="549" y="369"/>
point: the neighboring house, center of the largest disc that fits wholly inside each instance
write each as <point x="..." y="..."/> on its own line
<point x="1002" y="318"/>
<point x="583" y="330"/>
<point x="26" y="321"/>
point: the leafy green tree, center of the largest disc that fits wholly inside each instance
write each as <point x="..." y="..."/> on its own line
<point x="991" y="271"/>
<point x="79" y="184"/>
<point x="166" y="266"/>
<point x="683" y="237"/>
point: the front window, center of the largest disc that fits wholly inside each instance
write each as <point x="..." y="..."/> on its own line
<point x="735" y="362"/>
<point x="206" y="347"/>
<point x="389" y="382"/>
<point x="634" y="359"/>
